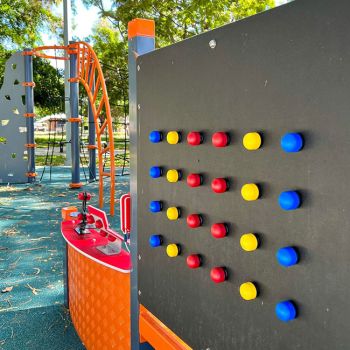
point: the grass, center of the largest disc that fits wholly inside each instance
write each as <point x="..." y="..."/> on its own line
<point x="59" y="160"/>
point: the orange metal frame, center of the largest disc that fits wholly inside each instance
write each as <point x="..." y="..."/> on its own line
<point x="90" y="71"/>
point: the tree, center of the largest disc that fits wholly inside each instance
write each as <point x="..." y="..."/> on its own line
<point x="21" y="22"/>
<point x="179" y="19"/>
<point x="175" y="20"/>
<point x="49" y="89"/>
<point x="112" y="53"/>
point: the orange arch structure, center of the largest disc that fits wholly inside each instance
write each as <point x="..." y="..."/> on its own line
<point x="90" y="72"/>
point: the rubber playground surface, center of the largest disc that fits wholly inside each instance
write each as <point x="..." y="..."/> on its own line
<point x="32" y="314"/>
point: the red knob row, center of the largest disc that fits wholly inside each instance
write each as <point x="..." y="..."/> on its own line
<point x="218" y="230"/>
<point x="219" y="139"/>
<point x="217" y="274"/>
<point x="218" y="185"/>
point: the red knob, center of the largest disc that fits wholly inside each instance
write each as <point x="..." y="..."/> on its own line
<point x="220" y="139"/>
<point x="80" y="216"/>
<point x="218" y="274"/>
<point x="193" y="261"/>
<point x="194" y="220"/>
<point x="194" y="138"/>
<point x="99" y="224"/>
<point x="84" y="196"/>
<point x="194" y="180"/>
<point x="219" y="185"/>
<point x="219" y="230"/>
<point x="90" y="219"/>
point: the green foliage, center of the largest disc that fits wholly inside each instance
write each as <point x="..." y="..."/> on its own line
<point x="20" y="24"/>
<point x="49" y="89"/>
<point x="175" y="20"/>
<point x="112" y="53"/>
<point x="21" y="21"/>
<point x="180" y="19"/>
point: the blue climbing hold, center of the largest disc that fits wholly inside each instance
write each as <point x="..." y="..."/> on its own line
<point x="155" y="206"/>
<point x="286" y="311"/>
<point x="287" y="256"/>
<point x="155" y="172"/>
<point x="155" y="241"/>
<point x="155" y="136"/>
<point x="292" y="142"/>
<point x="289" y="200"/>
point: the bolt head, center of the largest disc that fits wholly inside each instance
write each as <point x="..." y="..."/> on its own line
<point x="212" y="43"/>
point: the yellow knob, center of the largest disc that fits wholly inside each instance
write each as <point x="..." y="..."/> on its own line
<point x="173" y="137"/>
<point x="172" y="213"/>
<point x="172" y="175"/>
<point x="249" y="242"/>
<point x="250" y="192"/>
<point x="248" y="291"/>
<point x="252" y="141"/>
<point x="172" y="250"/>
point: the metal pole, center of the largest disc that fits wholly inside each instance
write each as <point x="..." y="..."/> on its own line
<point x="28" y="67"/>
<point x="141" y="41"/>
<point x="66" y="37"/>
<point x="92" y="136"/>
<point x="74" y="107"/>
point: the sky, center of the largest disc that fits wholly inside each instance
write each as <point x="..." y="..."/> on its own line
<point x="81" y="24"/>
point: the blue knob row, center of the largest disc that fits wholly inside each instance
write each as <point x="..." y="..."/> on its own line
<point x="155" y="172"/>
<point x="155" y="241"/>
<point x="286" y="311"/>
<point x="155" y="206"/>
<point x="287" y="256"/>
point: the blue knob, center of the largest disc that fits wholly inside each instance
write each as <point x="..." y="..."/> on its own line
<point x="155" y="172"/>
<point x="289" y="200"/>
<point x="155" y="241"/>
<point x="286" y="311"/>
<point x="155" y="206"/>
<point x="155" y="136"/>
<point x="292" y="142"/>
<point x="287" y="256"/>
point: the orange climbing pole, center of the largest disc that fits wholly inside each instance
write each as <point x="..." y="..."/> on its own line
<point x="90" y="75"/>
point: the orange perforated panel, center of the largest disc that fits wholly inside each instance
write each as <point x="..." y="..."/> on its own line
<point x="99" y="302"/>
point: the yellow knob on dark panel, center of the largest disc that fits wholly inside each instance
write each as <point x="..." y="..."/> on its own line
<point x="252" y="141"/>
<point x="172" y="250"/>
<point x="250" y="192"/>
<point x="173" y="175"/>
<point x="173" y="137"/>
<point x="172" y="213"/>
<point x="248" y="291"/>
<point x="249" y="242"/>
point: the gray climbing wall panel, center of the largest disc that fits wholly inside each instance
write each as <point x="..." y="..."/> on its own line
<point x="13" y="131"/>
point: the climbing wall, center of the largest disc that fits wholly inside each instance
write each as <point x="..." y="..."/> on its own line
<point x="243" y="182"/>
<point x="13" y="131"/>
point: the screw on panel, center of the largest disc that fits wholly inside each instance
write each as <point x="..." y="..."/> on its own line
<point x="138" y="106"/>
<point x="212" y="43"/>
<point x="138" y="67"/>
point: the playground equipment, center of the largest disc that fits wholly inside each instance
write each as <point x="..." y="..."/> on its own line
<point x="84" y="69"/>
<point x="239" y="185"/>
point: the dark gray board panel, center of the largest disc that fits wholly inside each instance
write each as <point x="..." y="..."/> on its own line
<point x="284" y="70"/>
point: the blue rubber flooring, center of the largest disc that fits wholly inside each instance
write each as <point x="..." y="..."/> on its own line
<point x="32" y="315"/>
